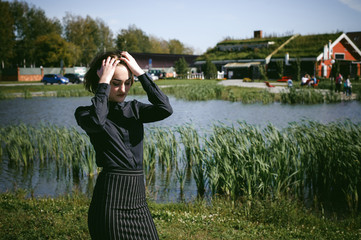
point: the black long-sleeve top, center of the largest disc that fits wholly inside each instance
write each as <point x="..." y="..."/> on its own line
<point x="116" y="129"/>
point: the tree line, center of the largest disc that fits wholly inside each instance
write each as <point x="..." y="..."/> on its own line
<point x="29" y="38"/>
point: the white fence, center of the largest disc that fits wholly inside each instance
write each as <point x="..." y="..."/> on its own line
<point x="220" y="75"/>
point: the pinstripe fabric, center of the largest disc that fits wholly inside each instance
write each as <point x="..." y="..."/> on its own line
<point x="118" y="209"/>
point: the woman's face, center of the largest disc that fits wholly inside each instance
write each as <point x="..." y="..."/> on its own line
<point x="120" y="84"/>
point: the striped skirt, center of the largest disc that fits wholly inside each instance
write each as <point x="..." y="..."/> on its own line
<point x="118" y="209"/>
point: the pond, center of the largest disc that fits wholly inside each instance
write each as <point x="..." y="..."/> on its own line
<point x="202" y="114"/>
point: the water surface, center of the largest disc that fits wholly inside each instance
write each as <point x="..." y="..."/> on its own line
<point x="202" y="114"/>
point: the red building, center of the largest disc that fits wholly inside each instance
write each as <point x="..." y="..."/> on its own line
<point x="342" y="50"/>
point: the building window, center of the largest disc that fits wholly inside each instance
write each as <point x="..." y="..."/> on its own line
<point x="340" y="56"/>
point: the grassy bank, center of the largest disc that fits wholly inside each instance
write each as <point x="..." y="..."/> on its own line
<point x="65" y="217"/>
<point x="190" y="90"/>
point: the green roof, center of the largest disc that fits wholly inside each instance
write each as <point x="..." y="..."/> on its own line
<point x="306" y="46"/>
<point x="277" y="40"/>
<point x="301" y="46"/>
<point x="256" y="53"/>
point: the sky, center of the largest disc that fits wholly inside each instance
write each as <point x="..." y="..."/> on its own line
<point x="201" y="24"/>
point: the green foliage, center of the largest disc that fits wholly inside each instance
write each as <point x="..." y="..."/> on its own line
<point x="231" y="161"/>
<point x="30" y="23"/>
<point x="181" y="67"/>
<point x="51" y="49"/>
<point x="39" y="41"/>
<point x="90" y="36"/>
<point x="158" y="45"/>
<point x="197" y="92"/>
<point x="7" y="37"/>
<point x="296" y="70"/>
<point x="210" y="70"/>
<point x="263" y="72"/>
<point x="305" y="96"/>
<point x="176" y="47"/>
<point x="133" y="39"/>
<point x="279" y="69"/>
<point x="27" y="146"/>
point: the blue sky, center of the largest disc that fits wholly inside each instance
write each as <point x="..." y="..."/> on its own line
<point x="201" y="24"/>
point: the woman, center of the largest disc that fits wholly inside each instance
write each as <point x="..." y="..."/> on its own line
<point x="118" y="209"/>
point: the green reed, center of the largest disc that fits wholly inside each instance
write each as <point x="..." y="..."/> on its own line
<point x="196" y="91"/>
<point x="305" y="96"/>
<point x="26" y="145"/>
<point x="166" y="146"/>
<point x="308" y="160"/>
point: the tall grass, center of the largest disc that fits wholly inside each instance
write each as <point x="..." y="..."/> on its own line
<point x="309" y="96"/>
<point x="310" y="161"/>
<point x="68" y="149"/>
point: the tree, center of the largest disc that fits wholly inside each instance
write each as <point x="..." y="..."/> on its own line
<point x="209" y="70"/>
<point x="7" y="37"/>
<point x="181" y="67"/>
<point x="91" y="36"/>
<point x="175" y="46"/>
<point x="106" y="36"/>
<point x="133" y="39"/>
<point x="51" y="49"/>
<point x="158" y="45"/>
<point x="30" y="23"/>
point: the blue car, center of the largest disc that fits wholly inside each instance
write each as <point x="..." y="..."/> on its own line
<point x="55" y="78"/>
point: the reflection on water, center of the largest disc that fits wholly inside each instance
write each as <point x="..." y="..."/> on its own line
<point x="164" y="185"/>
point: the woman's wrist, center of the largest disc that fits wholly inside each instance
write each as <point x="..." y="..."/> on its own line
<point x="138" y="72"/>
<point x="104" y="79"/>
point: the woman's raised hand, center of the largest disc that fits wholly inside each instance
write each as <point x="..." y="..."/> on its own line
<point x="132" y="64"/>
<point x="107" y="70"/>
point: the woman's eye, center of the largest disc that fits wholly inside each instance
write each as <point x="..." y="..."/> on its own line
<point x="127" y="83"/>
<point x="115" y="84"/>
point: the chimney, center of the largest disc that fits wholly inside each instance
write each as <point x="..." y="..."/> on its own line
<point x="325" y="52"/>
<point x="257" y="34"/>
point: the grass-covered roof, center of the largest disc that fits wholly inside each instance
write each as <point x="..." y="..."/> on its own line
<point x="249" y="53"/>
<point x="301" y="46"/>
<point x="306" y="46"/>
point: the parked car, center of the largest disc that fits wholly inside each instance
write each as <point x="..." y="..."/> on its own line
<point x="55" y="78"/>
<point x="74" y="77"/>
<point x="156" y="74"/>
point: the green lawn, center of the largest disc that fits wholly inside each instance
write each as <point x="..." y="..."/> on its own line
<point x="65" y="217"/>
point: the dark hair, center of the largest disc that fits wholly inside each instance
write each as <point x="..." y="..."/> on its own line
<point x="91" y="78"/>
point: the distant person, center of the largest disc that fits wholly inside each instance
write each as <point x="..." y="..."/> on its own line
<point x="118" y="209"/>
<point x="289" y="83"/>
<point x="305" y="79"/>
<point x="313" y="80"/>
<point x="348" y="86"/>
<point x="338" y="83"/>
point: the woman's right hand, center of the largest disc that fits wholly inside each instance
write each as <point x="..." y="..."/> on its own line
<point x="107" y="70"/>
<point x="132" y="64"/>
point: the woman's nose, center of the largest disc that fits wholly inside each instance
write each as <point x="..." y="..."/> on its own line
<point x="121" y="88"/>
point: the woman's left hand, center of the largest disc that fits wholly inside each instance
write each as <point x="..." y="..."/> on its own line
<point x="132" y="64"/>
